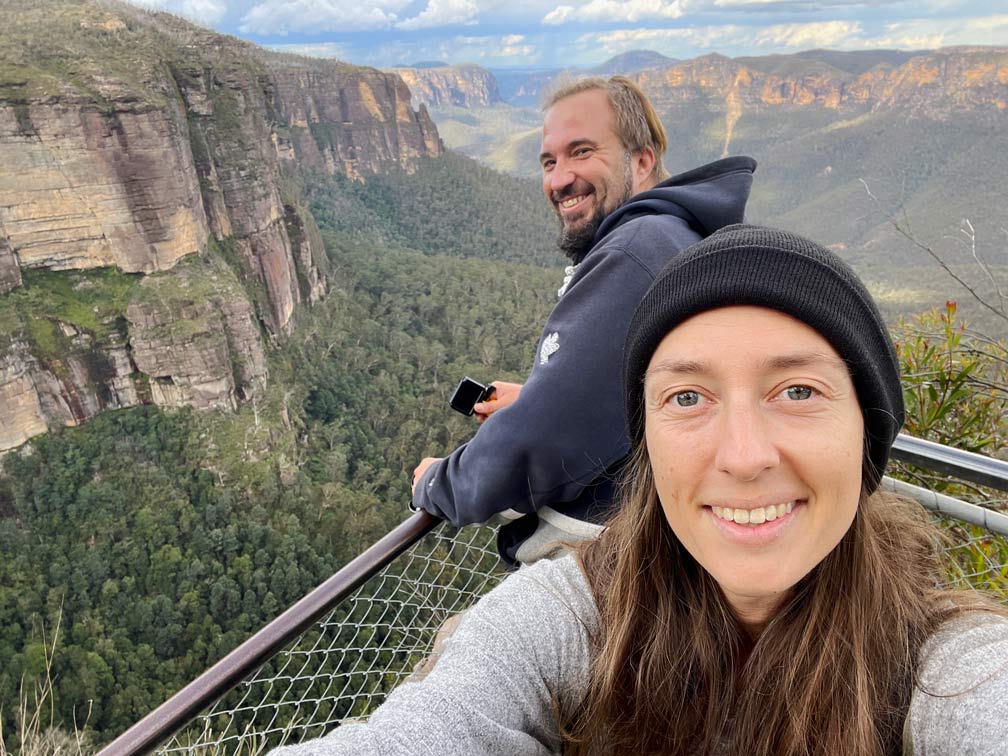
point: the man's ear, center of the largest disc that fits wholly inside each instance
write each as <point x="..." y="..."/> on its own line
<point x="642" y="164"/>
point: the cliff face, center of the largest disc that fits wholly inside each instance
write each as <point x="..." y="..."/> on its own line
<point x="136" y="141"/>
<point x="350" y="121"/>
<point x="199" y="347"/>
<point x="932" y="85"/>
<point x="466" y="86"/>
<point x="84" y="187"/>
<point x="10" y="273"/>
<point x="36" y="395"/>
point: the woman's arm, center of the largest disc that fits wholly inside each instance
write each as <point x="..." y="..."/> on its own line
<point x="521" y="647"/>
<point x="960" y="704"/>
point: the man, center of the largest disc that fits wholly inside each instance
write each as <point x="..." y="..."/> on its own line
<point x="544" y="459"/>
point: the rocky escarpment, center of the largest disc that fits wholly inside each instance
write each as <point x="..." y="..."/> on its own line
<point x="933" y="85"/>
<point x="347" y="120"/>
<point x="83" y="186"/>
<point x="188" y="337"/>
<point x="36" y="394"/>
<point x="135" y="141"/>
<point x="466" y="85"/>
<point x="199" y="347"/>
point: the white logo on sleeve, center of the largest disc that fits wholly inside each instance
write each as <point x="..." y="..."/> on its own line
<point x="550" y="344"/>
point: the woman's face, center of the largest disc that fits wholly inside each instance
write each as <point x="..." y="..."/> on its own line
<point x="755" y="437"/>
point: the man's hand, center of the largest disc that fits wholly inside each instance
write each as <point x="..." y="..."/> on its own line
<point x="504" y="395"/>
<point x="422" y="468"/>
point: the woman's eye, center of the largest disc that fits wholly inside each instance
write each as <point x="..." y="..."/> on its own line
<point x="798" y="393"/>
<point x="686" y="398"/>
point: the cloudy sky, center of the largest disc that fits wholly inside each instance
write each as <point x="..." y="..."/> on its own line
<point x="550" y="33"/>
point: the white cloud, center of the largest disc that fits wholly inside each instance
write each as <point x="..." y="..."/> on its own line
<point x="806" y="36"/>
<point x="693" y="38"/>
<point x="919" y="34"/>
<point x="730" y="39"/>
<point x="207" y="12"/>
<point x="491" y="49"/>
<point x="558" y="15"/>
<point x="283" y="16"/>
<point x="612" y="11"/>
<point x="442" y="13"/>
<point x="739" y="39"/>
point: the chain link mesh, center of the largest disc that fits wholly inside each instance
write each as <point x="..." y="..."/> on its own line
<point x="345" y="666"/>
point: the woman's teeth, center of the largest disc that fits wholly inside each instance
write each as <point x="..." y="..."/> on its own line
<point x="754" y="516"/>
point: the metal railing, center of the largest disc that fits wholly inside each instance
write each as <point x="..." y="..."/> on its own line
<point x="338" y="652"/>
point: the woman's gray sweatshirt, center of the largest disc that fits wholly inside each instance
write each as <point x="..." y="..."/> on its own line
<point x="526" y="642"/>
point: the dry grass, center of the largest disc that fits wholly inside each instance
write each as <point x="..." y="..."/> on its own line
<point x="35" y="712"/>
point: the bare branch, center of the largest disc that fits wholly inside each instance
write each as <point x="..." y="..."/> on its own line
<point x="971" y="235"/>
<point x="904" y="230"/>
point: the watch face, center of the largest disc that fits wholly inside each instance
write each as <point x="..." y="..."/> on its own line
<point x="467" y="393"/>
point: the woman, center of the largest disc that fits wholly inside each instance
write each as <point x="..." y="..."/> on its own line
<point x="755" y="594"/>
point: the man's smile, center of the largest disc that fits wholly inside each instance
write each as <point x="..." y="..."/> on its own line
<point x="570" y="205"/>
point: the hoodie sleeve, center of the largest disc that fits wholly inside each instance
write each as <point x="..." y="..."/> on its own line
<point x="567" y="425"/>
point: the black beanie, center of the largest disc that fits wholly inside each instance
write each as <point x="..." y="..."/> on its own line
<point x="752" y="265"/>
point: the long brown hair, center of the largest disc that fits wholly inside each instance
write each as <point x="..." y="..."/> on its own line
<point x="832" y="672"/>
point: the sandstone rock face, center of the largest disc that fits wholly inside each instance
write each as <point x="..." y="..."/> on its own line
<point x="201" y="352"/>
<point x="88" y="379"/>
<point x="187" y="341"/>
<point x="933" y="85"/>
<point x="466" y="86"/>
<point x="20" y="401"/>
<point x="138" y="160"/>
<point x="350" y="121"/>
<point x="84" y="187"/>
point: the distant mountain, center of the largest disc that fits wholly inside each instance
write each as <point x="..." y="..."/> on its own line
<point x="521" y="86"/>
<point x="631" y="62"/>
<point x="465" y="85"/>
<point x="859" y="61"/>
<point x="524" y="87"/>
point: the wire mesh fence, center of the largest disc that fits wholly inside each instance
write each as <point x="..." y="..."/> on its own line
<point x="345" y="666"/>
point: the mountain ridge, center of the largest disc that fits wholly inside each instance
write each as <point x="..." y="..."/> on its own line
<point x="133" y="140"/>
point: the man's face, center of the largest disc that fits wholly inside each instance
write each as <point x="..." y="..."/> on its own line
<point x="586" y="171"/>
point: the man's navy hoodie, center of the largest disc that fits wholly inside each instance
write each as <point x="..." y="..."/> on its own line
<point x="560" y="443"/>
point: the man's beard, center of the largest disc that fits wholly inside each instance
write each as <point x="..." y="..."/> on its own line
<point x="577" y="242"/>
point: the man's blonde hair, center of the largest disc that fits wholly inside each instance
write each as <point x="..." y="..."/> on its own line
<point x="637" y="123"/>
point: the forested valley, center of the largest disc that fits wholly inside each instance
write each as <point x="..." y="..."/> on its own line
<point x="145" y="544"/>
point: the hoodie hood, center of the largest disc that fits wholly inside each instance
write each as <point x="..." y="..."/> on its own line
<point x="707" y="198"/>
